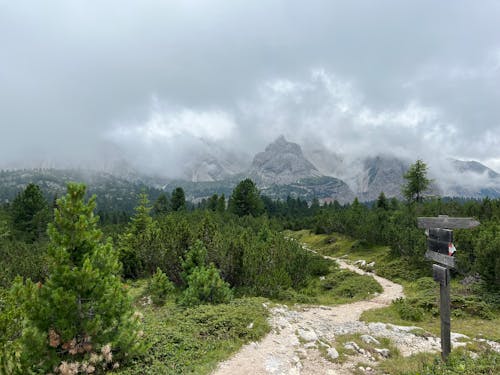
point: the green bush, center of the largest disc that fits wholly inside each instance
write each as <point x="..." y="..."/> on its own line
<point x="159" y="287"/>
<point x="204" y="285"/>
<point x="408" y="311"/>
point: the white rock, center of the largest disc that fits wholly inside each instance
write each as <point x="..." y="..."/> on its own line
<point x="306" y="335"/>
<point x="332" y="353"/>
<point x="250" y="326"/>
<point x="383" y="352"/>
<point x="310" y="345"/>
<point x="370" y="265"/>
<point x="367" y="339"/>
<point x="351" y="345"/>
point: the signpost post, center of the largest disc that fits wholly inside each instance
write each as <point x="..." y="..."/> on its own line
<point x="440" y="249"/>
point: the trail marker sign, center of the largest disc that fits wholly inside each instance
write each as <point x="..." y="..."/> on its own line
<point x="440" y="249"/>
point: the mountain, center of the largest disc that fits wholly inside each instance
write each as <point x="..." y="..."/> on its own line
<point x="214" y="163"/>
<point x="470" y="179"/>
<point x="113" y="193"/>
<point x="381" y="173"/>
<point x="281" y="163"/>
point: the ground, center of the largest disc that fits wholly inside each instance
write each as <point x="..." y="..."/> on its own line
<point x="331" y="339"/>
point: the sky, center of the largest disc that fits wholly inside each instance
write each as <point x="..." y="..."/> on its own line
<point x="156" y="82"/>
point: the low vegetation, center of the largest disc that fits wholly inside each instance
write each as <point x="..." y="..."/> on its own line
<point x="176" y="288"/>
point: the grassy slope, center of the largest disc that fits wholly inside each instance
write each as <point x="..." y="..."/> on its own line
<point x="337" y="245"/>
<point x="194" y="340"/>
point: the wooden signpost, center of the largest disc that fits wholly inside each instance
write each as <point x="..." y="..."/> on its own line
<point x="440" y="249"/>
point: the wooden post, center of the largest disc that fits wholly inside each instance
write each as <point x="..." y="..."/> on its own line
<point x="444" y="305"/>
<point x="442" y="276"/>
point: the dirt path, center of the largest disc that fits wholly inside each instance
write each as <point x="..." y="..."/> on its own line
<point x="301" y="340"/>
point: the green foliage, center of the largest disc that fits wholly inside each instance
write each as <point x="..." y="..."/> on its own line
<point x="161" y="206"/>
<point x="407" y="310"/>
<point x="28" y="260"/>
<point x="245" y="199"/>
<point x="416" y="182"/>
<point x="30" y="213"/>
<point x="178" y="200"/>
<point x="487" y="252"/>
<point x="11" y="325"/>
<point x="349" y="285"/>
<point x="196" y="257"/>
<point x="194" y="340"/>
<point x="204" y="285"/>
<point x="159" y="287"/>
<point x="138" y="245"/>
<point x="82" y="308"/>
<point x="486" y="362"/>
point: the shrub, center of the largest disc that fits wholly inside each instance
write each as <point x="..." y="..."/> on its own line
<point x="206" y="286"/>
<point x="408" y="311"/>
<point x="159" y="287"/>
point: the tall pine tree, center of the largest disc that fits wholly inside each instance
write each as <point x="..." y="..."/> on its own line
<point x="81" y="318"/>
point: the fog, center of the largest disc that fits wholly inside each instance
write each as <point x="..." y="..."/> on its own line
<point x="159" y="83"/>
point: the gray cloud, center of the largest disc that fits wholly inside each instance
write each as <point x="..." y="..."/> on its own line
<point x="78" y="78"/>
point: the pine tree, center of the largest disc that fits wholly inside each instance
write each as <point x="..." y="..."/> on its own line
<point x="161" y="206"/>
<point x="30" y="213"/>
<point x="416" y="182"/>
<point x="204" y="284"/>
<point x="136" y="244"/>
<point x="178" y="200"/>
<point x="246" y="200"/>
<point x="81" y="316"/>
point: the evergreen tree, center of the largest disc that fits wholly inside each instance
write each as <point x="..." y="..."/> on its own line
<point x="416" y="182"/>
<point x="382" y="202"/>
<point x="221" y="204"/>
<point x="138" y="244"/>
<point x="161" y="206"/>
<point x="82" y="310"/>
<point x="178" y="200"/>
<point x="245" y="199"/>
<point x="30" y="213"/>
<point x="204" y="284"/>
<point x="213" y="202"/>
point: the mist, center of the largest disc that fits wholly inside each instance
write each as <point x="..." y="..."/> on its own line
<point x="160" y="84"/>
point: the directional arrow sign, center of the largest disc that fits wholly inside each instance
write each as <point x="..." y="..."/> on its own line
<point x="447" y="222"/>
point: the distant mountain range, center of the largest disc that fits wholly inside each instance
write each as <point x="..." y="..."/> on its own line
<point x="282" y="169"/>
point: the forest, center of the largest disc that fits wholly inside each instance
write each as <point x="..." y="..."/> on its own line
<point x="175" y="287"/>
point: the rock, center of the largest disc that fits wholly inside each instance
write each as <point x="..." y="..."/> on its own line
<point x="367" y="339"/>
<point x="360" y="262"/>
<point x="322" y="278"/>
<point x="250" y="326"/>
<point x="383" y="352"/>
<point x="323" y="344"/>
<point x="281" y="163"/>
<point x="351" y="345"/>
<point x="307" y="335"/>
<point x="370" y="265"/>
<point x="332" y="353"/>
<point x="310" y="345"/>
<point x="454" y="336"/>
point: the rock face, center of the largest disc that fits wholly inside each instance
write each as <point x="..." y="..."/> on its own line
<point x="469" y="179"/>
<point x="381" y="173"/>
<point x="281" y="163"/>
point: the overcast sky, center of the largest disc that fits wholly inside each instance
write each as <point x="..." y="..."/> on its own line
<point x="152" y="81"/>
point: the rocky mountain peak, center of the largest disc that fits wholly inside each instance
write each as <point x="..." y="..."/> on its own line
<point x="282" y="162"/>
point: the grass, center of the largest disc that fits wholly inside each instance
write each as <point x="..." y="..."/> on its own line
<point x="344" y="353"/>
<point x="194" y="340"/>
<point x="459" y="362"/>
<point x="470" y="315"/>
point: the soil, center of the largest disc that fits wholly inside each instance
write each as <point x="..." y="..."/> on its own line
<point x="302" y="339"/>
